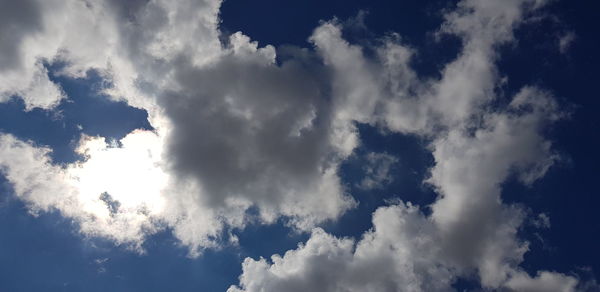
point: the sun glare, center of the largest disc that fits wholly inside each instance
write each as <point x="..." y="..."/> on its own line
<point x="125" y="178"/>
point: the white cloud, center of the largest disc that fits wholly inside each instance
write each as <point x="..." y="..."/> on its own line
<point x="399" y="254"/>
<point x="268" y="144"/>
<point x="235" y="130"/>
<point x="477" y="228"/>
<point x="475" y="148"/>
<point x="75" y="190"/>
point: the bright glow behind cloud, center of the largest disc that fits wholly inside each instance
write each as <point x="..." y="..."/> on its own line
<point x="116" y="191"/>
<point x="130" y="173"/>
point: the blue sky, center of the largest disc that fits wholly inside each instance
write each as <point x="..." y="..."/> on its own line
<point x="379" y="145"/>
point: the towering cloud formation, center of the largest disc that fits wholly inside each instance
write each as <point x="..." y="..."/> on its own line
<point x="235" y="130"/>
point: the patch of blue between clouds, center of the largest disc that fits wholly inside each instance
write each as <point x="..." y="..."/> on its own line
<point x="85" y="110"/>
<point x="364" y="20"/>
<point x="408" y="174"/>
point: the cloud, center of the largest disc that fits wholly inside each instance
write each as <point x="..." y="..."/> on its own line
<point x="155" y="55"/>
<point x="377" y="171"/>
<point x="468" y="230"/>
<point x="543" y="281"/>
<point x="248" y="129"/>
<point x="541" y="221"/>
<point x="475" y="148"/>
<point x="37" y="33"/>
<point x="566" y="41"/>
<point x="236" y="129"/>
<point x="399" y="254"/>
<point x="76" y="191"/>
<point x="268" y="146"/>
<point x="477" y="228"/>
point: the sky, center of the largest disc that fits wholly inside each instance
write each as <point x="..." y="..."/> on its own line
<point x="208" y="145"/>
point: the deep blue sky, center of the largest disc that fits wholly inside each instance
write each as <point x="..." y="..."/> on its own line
<point x="45" y="253"/>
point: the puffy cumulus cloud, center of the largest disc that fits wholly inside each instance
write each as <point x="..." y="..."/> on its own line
<point x="119" y="190"/>
<point x="234" y="129"/>
<point x="475" y="147"/>
<point x="469" y="229"/>
<point x="399" y="254"/>
<point x="125" y="41"/>
<point x="114" y="193"/>
<point x="35" y="33"/>
<point x="246" y="129"/>
<point x="32" y="175"/>
<point x="477" y="229"/>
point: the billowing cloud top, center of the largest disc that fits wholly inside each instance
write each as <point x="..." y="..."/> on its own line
<point x="241" y="137"/>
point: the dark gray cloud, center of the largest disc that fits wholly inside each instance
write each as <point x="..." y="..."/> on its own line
<point x="17" y="20"/>
<point x="238" y="124"/>
<point x="246" y="128"/>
